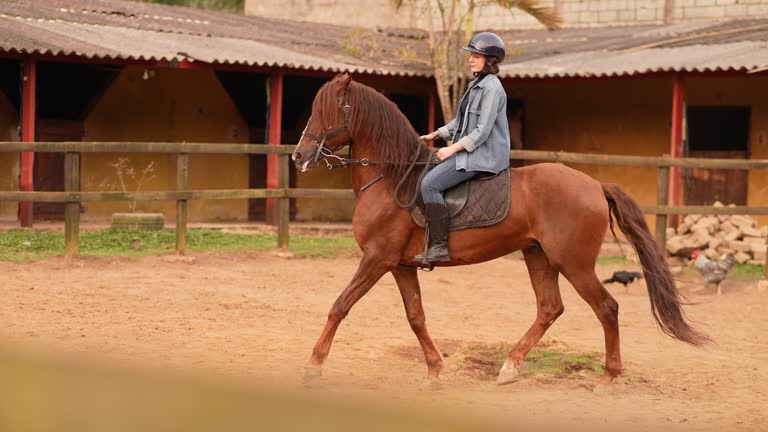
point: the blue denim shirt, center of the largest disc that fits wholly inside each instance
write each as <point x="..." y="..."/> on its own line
<point x="485" y="135"/>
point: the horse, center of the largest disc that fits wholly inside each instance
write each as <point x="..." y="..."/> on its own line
<point x="558" y="218"/>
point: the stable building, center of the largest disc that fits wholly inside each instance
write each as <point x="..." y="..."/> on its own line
<point x="684" y="90"/>
<point x="114" y="70"/>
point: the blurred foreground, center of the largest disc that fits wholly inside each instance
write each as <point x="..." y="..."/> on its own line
<point x="42" y="392"/>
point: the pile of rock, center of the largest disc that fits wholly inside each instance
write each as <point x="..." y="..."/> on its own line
<point x="716" y="235"/>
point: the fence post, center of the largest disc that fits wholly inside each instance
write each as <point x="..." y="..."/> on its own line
<point x="72" y="209"/>
<point x="182" y="176"/>
<point x="765" y="266"/>
<point x="283" y="208"/>
<point x="662" y="199"/>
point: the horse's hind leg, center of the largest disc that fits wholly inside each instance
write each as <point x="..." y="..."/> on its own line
<point x="589" y="287"/>
<point x="370" y="270"/>
<point x="408" y="283"/>
<point x="549" y="307"/>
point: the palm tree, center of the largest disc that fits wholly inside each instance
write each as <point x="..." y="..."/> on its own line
<point x="454" y="30"/>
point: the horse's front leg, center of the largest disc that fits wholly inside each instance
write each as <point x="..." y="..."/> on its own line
<point x="408" y="283"/>
<point x="370" y="270"/>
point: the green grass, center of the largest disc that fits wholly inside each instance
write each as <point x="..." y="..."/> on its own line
<point x="487" y="359"/>
<point x="25" y="245"/>
<point x="543" y="362"/>
<point x="748" y="271"/>
<point x="20" y="245"/>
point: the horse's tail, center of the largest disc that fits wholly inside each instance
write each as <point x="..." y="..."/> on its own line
<point x="665" y="300"/>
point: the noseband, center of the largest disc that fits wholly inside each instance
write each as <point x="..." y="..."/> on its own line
<point x="320" y="139"/>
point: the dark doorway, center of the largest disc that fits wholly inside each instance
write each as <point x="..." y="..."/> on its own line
<point x="415" y="108"/>
<point x="248" y="92"/>
<point x="516" y="122"/>
<point x="717" y="132"/>
<point x="66" y="94"/>
<point x="10" y="81"/>
<point x="299" y="92"/>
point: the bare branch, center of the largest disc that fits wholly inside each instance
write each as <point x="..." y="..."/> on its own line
<point x="441" y="8"/>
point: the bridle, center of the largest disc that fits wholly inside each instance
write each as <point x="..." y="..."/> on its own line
<point x="320" y="140"/>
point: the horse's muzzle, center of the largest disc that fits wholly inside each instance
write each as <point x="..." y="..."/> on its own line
<point x="303" y="161"/>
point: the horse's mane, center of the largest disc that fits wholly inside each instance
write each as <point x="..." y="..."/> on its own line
<point x="376" y="121"/>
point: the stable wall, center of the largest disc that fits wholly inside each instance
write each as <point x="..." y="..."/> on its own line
<point x="166" y="105"/>
<point x="611" y="116"/>
<point x="9" y="162"/>
<point x="325" y="210"/>
<point x="632" y="116"/>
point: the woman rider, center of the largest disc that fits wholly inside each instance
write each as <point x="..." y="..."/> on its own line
<point x="479" y="137"/>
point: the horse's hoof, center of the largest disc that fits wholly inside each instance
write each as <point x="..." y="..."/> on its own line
<point x="605" y="384"/>
<point x="434" y="384"/>
<point x="312" y="373"/>
<point x="507" y="375"/>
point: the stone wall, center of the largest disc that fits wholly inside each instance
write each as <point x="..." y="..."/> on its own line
<point x="576" y="13"/>
<point x="355" y="13"/>
<point x="596" y="13"/>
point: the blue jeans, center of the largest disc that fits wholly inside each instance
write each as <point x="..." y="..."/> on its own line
<point x="441" y="178"/>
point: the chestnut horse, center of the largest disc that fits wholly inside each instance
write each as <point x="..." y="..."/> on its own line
<point x="558" y="217"/>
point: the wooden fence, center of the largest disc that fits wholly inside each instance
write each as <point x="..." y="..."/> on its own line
<point x="73" y="196"/>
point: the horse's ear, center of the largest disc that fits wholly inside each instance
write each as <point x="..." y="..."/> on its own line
<point x="344" y="80"/>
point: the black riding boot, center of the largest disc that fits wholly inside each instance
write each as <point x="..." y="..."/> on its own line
<point x="437" y="230"/>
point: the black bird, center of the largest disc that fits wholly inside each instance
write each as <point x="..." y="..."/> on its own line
<point x="624" y="277"/>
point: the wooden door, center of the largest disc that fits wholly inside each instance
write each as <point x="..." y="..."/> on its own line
<point x="705" y="186"/>
<point x="49" y="167"/>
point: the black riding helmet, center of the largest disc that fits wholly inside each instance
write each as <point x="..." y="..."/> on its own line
<point x="487" y="44"/>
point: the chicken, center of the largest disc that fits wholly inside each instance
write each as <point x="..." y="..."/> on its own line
<point x="624" y="277"/>
<point x="714" y="272"/>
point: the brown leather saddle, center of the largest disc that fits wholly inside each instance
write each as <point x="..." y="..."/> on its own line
<point x="479" y="202"/>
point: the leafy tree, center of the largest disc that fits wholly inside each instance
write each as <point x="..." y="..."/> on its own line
<point x="450" y="26"/>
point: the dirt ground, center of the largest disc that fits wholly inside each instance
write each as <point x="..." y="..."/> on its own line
<point x="256" y="316"/>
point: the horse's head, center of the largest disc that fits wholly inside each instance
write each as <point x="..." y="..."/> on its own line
<point x="328" y="126"/>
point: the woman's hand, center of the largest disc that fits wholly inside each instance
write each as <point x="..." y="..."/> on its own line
<point x="430" y="137"/>
<point x="446" y="152"/>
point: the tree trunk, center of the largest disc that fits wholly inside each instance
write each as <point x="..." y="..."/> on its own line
<point x="669" y="11"/>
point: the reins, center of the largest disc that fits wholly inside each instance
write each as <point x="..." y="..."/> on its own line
<point x="347" y="162"/>
<point x="413" y="163"/>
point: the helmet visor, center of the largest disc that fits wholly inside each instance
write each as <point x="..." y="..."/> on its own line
<point x="474" y="50"/>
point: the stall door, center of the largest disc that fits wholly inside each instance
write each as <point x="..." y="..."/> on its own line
<point x="49" y="167"/>
<point x="717" y="132"/>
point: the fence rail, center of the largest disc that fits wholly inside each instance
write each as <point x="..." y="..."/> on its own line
<point x="144" y="147"/>
<point x="73" y="196"/>
<point x="212" y="194"/>
<point x="648" y="161"/>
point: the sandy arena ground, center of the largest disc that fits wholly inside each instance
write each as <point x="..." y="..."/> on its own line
<point x="257" y="316"/>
